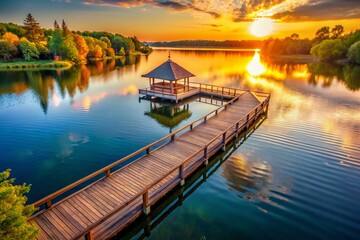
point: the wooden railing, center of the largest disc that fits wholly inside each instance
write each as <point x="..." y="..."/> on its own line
<point x="224" y="138"/>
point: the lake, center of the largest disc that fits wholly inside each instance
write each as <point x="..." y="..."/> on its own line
<point x="297" y="176"/>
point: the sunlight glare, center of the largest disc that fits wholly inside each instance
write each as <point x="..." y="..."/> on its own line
<point x="262" y="27"/>
<point x="255" y="67"/>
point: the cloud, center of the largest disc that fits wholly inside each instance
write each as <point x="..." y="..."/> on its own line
<point x="248" y="10"/>
<point x="318" y="10"/>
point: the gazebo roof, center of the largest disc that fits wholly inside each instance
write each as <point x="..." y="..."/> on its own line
<point x="169" y="70"/>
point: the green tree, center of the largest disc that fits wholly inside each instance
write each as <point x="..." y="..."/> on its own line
<point x="329" y="50"/>
<point x="7" y="50"/>
<point x="322" y="34"/>
<point x="137" y="43"/>
<point x="117" y="43"/>
<point x="33" y="31"/>
<point x="106" y="40"/>
<point x="28" y="49"/>
<point x="354" y="53"/>
<point x="14" y="211"/>
<point x="56" y="42"/>
<point x="337" y="31"/>
<point x="68" y="48"/>
<point x="18" y="30"/>
<point x="2" y="29"/>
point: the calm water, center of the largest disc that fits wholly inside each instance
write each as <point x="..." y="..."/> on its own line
<point x="296" y="177"/>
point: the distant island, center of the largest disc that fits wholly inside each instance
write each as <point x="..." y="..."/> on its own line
<point x="328" y="45"/>
<point x="30" y="46"/>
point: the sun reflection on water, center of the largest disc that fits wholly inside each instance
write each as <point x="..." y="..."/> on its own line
<point x="255" y="67"/>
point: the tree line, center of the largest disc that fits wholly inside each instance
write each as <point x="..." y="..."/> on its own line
<point x="30" y="41"/>
<point x="328" y="44"/>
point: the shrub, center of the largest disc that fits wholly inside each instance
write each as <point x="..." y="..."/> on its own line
<point x="330" y="49"/>
<point x="354" y="53"/>
<point x="7" y="50"/>
<point x="13" y="211"/>
<point x="28" y="49"/>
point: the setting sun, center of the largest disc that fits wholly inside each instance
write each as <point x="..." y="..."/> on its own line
<point x="262" y="27"/>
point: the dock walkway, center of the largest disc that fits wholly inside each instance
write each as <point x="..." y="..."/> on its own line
<point x="104" y="207"/>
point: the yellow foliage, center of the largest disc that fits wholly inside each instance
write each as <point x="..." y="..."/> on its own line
<point x="11" y="38"/>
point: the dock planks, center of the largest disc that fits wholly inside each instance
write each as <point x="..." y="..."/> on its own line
<point x="86" y="214"/>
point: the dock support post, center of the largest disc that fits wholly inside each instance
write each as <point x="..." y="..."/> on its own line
<point x="224" y="142"/>
<point x="181" y="175"/>
<point x="146" y="206"/>
<point x="89" y="236"/>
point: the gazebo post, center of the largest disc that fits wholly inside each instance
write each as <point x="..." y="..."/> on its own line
<point x="171" y="87"/>
<point x="150" y="83"/>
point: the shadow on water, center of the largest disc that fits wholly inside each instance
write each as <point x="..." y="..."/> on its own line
<point x="142" y="227"/>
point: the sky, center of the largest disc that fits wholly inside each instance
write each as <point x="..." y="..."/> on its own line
<point x="167" y="20"/>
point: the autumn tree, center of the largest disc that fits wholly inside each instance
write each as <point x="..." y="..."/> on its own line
<point x="82" y="48"/>
<point x="33" y="31"/>
<point x="11" y="38"/>
<point x="13" y="210"/>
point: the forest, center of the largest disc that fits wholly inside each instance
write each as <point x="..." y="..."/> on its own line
<point x="31" y="42"/>
<point x="328" y="44"/>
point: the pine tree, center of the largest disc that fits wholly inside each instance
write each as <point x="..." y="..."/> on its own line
<point x="14" y="211"/>
<point x="56" y="25"/>
<point x="33" y="31"/>
<point x="65" y="29"/>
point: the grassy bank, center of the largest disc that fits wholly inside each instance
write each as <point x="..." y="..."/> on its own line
<point x="299" y="59"/>
<point x="35" y="64"/>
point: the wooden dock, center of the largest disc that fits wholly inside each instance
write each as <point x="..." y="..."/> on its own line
<point x="109" y="204"/>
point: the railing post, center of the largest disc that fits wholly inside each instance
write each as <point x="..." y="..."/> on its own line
<point x="205" y="155"/>
<point x="181" y="175"/>
<point x="48" y="204"/>
<point x="216" y="112"/>
<point x="89" y="236"/>
<point x="222" y="91"/>
<point x="247" y="121"/>
<point x="173" y="137"/>
<point x="205" y="119"/>
<point x="148" y="151"/>
<point x="108" y="173"/>
<point x="191" y="127"/>
<point x="256" y="110"/>
<point x="146" y="207"/>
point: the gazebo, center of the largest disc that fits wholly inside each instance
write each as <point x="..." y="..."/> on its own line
<point x="169" y="81"/>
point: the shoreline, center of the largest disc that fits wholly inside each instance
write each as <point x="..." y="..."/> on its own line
<point x="35" y="64"/>
<point x="18" y="65"/>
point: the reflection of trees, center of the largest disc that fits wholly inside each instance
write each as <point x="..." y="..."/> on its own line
<point x="167" y="115"/>
<point x="42" y="86"/>
<point x="352" y="77"/>
<point x="326" y="72"/>
<point x="69" y="81"/>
